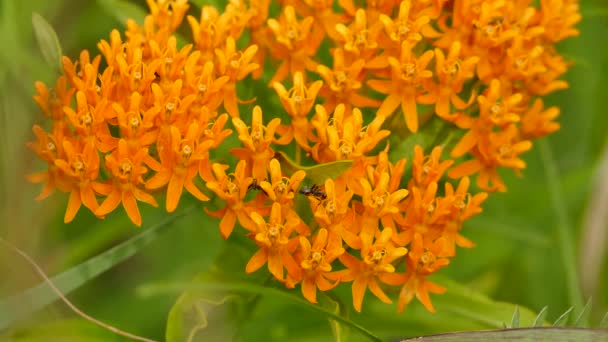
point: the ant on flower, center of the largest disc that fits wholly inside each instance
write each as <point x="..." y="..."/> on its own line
<point x="256" y="186"/>
<point x="314" y="191"/>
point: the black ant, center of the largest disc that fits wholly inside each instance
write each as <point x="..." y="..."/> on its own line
<point x="314" y="191"/>
<point x="256" y="186"/>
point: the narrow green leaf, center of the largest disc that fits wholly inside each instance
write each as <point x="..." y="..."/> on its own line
<point x="563" y="319"/>
<point x="604" y="322"/>
<point x="47" y="42"/>
<point x="157" y="289"/>
<point x="122" y="10"/>
<point x="515" y="319"/>
<point x="583" y="317"/>
<point x="562" y="224"/>
<point x="318" y="173"/>
<point x="21" y="305"/>
<point x="540" y="319"/>
<point x="524" y="334"/>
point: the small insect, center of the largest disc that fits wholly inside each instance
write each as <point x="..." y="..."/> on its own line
<point x="314" y="191"/>
<point x="256" y="186"/>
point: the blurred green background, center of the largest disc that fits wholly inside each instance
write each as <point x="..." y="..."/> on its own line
<point x="517" y="258"/>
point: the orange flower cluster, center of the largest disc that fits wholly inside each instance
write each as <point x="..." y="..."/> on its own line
<point x="150" y="120"/>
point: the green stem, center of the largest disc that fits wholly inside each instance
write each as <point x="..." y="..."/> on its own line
<point x="562" y="226"/>
<point x="298" y="154"/>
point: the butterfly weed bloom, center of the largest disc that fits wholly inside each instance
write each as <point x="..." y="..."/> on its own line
<point x="357" y="86"/>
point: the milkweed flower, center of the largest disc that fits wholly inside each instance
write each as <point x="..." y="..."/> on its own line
<point x="152" y="113"/>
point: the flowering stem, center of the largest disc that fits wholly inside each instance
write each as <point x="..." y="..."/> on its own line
<point x="562" y="226"/>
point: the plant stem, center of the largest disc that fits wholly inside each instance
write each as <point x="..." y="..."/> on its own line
<point x="562" y="226"/>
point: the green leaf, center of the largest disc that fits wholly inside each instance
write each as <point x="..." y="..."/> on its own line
<point x="73" y="330"/>
<point x="540" y="319"/>
<point x="524" y="334"/>
<point x="563" y="319"/>
<point x="515" y="319"/>
<point x="318" y="173"/>
<point x="583" y="316"/>
<point x="244" y="287"/>
<point x="122" y="10"/>
<point x="47" y="42"/>
<point x="336" y="306"/>
<point x="470" y="304"/>
<point x="21" y="305"/>
<point x="604" y="322"/>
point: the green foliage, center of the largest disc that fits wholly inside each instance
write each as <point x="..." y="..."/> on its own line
<point x="48" y="42"/>
<point x="318" y="173"/>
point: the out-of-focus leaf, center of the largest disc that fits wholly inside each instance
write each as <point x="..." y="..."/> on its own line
<point x="47" y="42"/>
<point x="334" y="304"/>
<point x="604" y="322"/>
<point x="243" y="287"/>
<point x="515" y="319"/>
<point x="540" y="319"/>
<point x="122" y="10"/>
<point x="20" y="305"/>
<point x="524" y="334"/>
<point x="318" y="173"/>
<point x="563" y="319"/>
<point x="76" y="330"/>
<point x="463" y="301"/>
<point x="200" y="316"/>
<point x="583" y="316"/>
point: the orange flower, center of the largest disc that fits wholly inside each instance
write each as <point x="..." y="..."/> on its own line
<point x="206" y="86"/>
<point x="502" y="149"/>
<point x="80" y="170"/>
<point x="273" y="238"/>
<point x="316" y="263"/>
<point x="537" y="122"/>
<point x="257" y="141"/>
<point x="49" y="148"/>
<point x="295" y="44"/>
<point x="88" y="122"/>
<point x="428" y="169"/>
<point x="335" y="214"/>
<point x="213" y="131"/>
<point x="127" y="170"/>
<point x="282" y="189"/>
<point x="180" y="158"/>
<point x="136" y="125"/>
<point x="452" y="72"/>
<point x="342" y="138"/>
<point x="232" y="189"/>
<point x="359" y="40"/>
<point x="297" y="103"/>
<point x="376" y="262"/>
<point x="407" y="75"/>
<point x="405" y="27"/>
<point x="236" y="65"/>
<point x="494" y="110"/>
<point x="380" y="203"/>
<point x="52" y="101"/>
<point x="343" y="82"/>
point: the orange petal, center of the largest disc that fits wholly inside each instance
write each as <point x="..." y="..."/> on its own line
<point x="74" y="204"/>
<point x="227" y="223"/>
<point x="257" y="260"/>
<point x="130" y="204"/>
<point x="359" y="286"/>
<point x="174" y="192"/>
<point x="309" y="289"/>
<point x="389" y="105"/>
<point x="110" y="203"/>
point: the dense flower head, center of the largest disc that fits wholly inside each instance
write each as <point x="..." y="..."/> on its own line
<point x="352" y="79"/>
